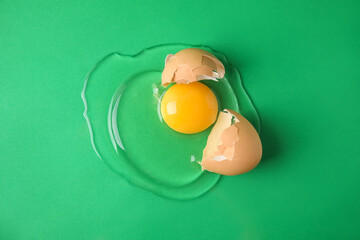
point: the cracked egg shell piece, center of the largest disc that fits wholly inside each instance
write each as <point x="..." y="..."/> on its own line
<point x="191" y="65"/>
<point x="233" y="146"/>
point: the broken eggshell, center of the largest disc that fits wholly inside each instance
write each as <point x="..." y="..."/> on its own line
<point x="191" y="65"/>
<point x="233" y="146"/>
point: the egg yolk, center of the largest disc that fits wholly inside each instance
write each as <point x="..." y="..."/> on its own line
<point x="189" y="108"/>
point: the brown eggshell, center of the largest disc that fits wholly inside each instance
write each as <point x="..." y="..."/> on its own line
<point x="191" y="65"/>
<point x="233" y="146"/>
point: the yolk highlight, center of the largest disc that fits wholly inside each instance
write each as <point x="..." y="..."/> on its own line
<point x="189" y="108"/>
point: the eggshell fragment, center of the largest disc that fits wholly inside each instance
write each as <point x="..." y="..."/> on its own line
<point x="233" y="146"/>
<point x="190" y="65"/>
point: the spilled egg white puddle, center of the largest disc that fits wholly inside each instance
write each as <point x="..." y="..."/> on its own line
<point x="121" y="97"/>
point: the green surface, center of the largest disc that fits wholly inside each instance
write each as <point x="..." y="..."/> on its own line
<point x="122" y="95"/>
<point x="299" y="61"/>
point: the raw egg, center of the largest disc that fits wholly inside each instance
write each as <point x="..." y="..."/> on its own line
<point x="123" y="95"/>
<point x="189" y="108"/>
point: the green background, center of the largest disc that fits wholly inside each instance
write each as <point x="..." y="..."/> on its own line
<point x="300" y="62"/>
